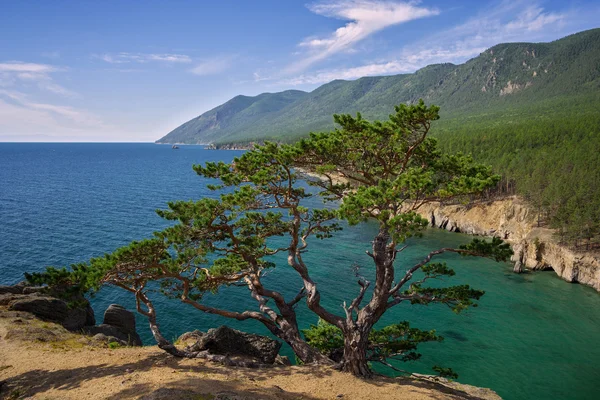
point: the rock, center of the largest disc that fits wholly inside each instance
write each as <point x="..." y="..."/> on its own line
<point x="33" y="289"/>
<point x="228" y="341"/>
<point x="102" y="338"/>
<point x="14" y="289"/>
<point x="7" y="298"/>
<point x="534" y="247"/>
<point x="75" y="319"/>
<point x="193" y="335"/>
<point x="90" y="318"/>
<point x="119" y="317"/>
<point x="126" y="338"/>
<point x="47" y="308"/>
<point x="118" y="323"/>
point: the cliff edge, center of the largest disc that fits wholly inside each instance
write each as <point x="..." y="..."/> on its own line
<point x="42" y="360"/>
<point x="512" y="220"/>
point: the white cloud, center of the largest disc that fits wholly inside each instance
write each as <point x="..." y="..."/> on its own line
<point x="14" y="72"/>
<point x="20" y="118"/>
<point x="366" y="17"/>
<point x="124" y="58"/>
<point x="515" y="21"/>
<point x="213" y="66"/>
<point x="23" y="67"/>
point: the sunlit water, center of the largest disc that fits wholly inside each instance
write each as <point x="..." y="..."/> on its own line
<point x="533" y="336"/>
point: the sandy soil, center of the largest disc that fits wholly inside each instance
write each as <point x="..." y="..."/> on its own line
<point x="40" y="360"/>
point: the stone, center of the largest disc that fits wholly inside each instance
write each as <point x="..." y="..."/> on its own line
<point x="118" y="316"/>
<point x="127" y="338"/>
<point x="47" y="308"/>
<point x="118" y="323"/>
<point x="33" y="289"/>
<point x="7" y="298"/>
<point x="193" y="335"/>
<point x="228" y="341"/>
<point x="14" y="289"/>
<point x="75" y="319"/>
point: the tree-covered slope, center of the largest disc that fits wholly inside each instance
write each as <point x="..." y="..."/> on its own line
<point x="237" y="114"/>
<point x="506" y="77"/>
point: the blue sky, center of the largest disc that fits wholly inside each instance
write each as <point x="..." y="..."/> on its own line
<point x="134" y="70"/>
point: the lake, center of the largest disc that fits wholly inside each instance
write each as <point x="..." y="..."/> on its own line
<point x="533" y="336"/>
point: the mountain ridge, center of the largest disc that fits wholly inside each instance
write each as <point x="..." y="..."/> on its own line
<point x="505" y="75"/>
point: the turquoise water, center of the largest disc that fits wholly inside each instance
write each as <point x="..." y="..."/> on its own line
<point x="533" y="336"/>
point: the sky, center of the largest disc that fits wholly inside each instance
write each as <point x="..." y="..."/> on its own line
<point x="131" y="71"/>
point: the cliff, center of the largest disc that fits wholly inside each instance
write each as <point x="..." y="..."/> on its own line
<point x="510" y="219"/>
<point x="42" y="360"/>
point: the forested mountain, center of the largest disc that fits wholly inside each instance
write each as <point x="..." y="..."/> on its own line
<point x="505" y="77"/>
<point x="532" y="111"/>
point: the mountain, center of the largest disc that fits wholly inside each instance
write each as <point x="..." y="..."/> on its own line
<point x="503" y="79"/>
<point x="233" y="116"/>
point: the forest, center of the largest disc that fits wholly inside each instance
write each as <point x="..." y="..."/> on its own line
<point x="548" y="154"/>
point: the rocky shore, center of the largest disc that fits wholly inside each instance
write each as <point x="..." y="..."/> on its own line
<point x="512" y="220"/>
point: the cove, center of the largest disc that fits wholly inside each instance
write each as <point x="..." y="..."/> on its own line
<point x="533" y="336"/>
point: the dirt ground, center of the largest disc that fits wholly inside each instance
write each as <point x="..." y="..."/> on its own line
<point x="40" y="360"/>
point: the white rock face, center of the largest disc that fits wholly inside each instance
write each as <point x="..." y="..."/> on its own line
<point x="511" y="220"/>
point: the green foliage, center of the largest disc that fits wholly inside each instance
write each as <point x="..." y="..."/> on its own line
<point x="324" y="337"/>
<point x="398" y="341"/>
<point x="391" y="166"/>
<point x="114" y="345"/>
<point x="457" y="298"/>
<point x="495" y="249"/>
<point x="445" y="372"/>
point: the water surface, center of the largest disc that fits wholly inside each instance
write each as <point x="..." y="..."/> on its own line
<point x="533" y="336"/>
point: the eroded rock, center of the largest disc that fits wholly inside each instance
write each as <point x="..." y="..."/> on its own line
<point x="228" y="341"/>
<point x="118" y="323"/>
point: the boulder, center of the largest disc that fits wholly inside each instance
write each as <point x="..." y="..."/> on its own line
<point x="75" y="319"/>
<point x="228" y="341"/>
<point x="119" y="317"/>
<point x="129" y="338"/>
<point x="14" y="289"/>
<point x="43" y="307"/>
<point x="118" y="323"/>
<point x="51" y="309"/>
<point x="7" y="298"/>
<point x="100" y="337"/>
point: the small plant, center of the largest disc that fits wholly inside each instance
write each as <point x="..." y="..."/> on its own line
<point x="114" y="345"/>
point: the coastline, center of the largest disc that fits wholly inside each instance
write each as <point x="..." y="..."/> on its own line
<point x="513" y="221"/>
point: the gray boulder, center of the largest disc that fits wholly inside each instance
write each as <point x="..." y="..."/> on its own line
<point x="45" y="304"/>
<point x="119" y="317"/>
<point x="14" y="289"/>
<point x="118" y="323"/>
<point x="228" y="341"/>
<point x="47" y="308"/>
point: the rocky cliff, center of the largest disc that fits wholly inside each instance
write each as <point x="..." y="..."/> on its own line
<point x="510" y="219"/>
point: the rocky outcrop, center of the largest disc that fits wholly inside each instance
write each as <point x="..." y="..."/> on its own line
<point x="510" y="219"/>
<point x="37" y="301"/>
<point x="118" y="324"/>
<point x="231" y="342"/>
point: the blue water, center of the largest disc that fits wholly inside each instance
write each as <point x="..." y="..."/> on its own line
<point x="533" y="336"/>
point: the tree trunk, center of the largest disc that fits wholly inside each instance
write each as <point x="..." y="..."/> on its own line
<point x="355" y="354"/>
<point x="306" y="353"/>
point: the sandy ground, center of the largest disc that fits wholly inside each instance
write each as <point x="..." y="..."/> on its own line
<point x="40" y="360"/>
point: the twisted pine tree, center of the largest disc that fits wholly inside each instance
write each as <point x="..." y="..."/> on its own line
<point x="382" y="171"/>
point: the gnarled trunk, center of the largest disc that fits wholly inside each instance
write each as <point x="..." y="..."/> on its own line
<point x="355" y="353"/>
<point x="306" y="353"/>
